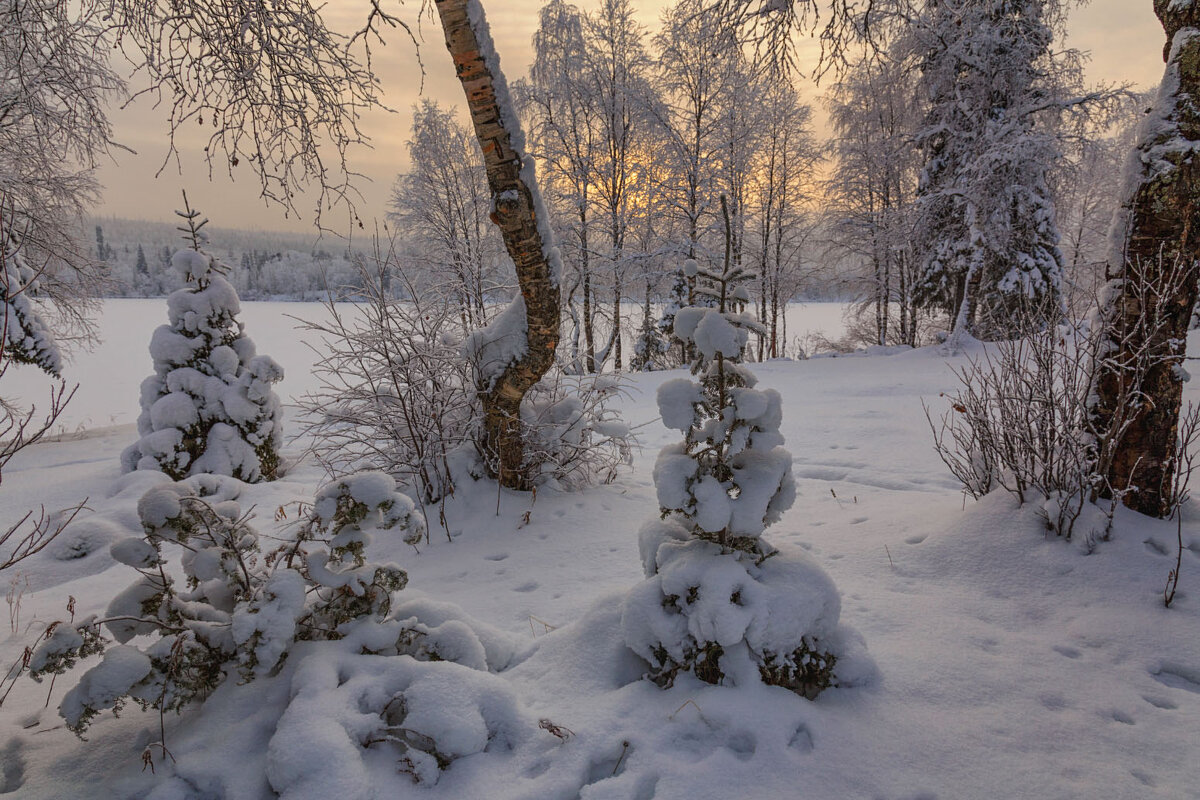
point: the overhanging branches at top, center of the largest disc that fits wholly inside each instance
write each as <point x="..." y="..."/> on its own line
<point x="772" y="27"/>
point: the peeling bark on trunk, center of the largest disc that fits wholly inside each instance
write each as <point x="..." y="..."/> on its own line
<point x="1161" y="220"/>
<point x="514" y="213"/>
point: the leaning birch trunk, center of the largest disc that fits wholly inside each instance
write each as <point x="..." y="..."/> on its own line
<point x="1151" y="285"/>
<point x="508" y="367"/>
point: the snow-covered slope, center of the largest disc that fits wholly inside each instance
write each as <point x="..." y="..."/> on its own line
<point x="1010" y="665"/>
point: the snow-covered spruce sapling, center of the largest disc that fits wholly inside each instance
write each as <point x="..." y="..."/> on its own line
<point x="209" y="406"/>
<point x="719" y="601"/>
<point x="652" y="348"/>
<point x="239" y="610"/>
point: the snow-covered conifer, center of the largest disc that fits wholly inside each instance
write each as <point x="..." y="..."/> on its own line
<point x="986" y="220"/>
<point x="652" y="349"/>
<point x="27" y="336"/>
<point x="236" y="608"/>
<point x="209" y="406"/>
<point x="719" y="601"/>
<point x="675" y="301"/>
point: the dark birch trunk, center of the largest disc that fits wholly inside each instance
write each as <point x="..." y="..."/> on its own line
<point x="589" y="332"/>
<point x="514" y="213"/>
<point x="1152" y="277"/>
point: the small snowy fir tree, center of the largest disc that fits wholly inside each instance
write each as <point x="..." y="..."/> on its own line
<point x="209" y="406"/>
<point x="652" y="350"/>
<point x="719" y="601"/>
<point x="666" y="323"/>
<point x="27" y="336"/>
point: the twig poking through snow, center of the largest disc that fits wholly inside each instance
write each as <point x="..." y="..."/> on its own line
<point x="543" y="623"/>
<point x="686" y="703"/>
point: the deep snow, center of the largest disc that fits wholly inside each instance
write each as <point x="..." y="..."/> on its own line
<point x="1010" y="665"/>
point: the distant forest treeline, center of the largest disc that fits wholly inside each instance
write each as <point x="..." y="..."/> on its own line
<point x="264" y="265"/>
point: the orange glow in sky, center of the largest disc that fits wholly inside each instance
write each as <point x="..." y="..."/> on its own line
<point x="1123" y="37"/>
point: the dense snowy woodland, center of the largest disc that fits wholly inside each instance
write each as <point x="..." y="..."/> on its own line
<point x="659" y="441"/>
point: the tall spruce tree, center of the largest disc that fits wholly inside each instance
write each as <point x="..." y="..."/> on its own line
<point x="986" y="224"/>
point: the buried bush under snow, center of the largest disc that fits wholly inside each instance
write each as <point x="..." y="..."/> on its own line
<point x="357" y="674"/>
<point x="239" y="608"/>
<point x="718" y="600"/>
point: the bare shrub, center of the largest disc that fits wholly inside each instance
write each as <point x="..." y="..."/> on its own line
<point x="1023" y="419"/>
<point x="394" y="393"/>
<point x="397" y="394"/>
<point x="572" y="436"/>
<point x="1019" y="422"/>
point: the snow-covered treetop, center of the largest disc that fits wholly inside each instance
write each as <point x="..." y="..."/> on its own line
<point x="730" y="478"/>
<point x="194" y="264"/>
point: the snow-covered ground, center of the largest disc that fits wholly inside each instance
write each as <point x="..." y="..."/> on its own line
<point x="1010" y="665"/>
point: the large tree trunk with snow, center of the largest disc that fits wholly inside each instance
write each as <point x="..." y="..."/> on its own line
<point x="516" y="204"/>
<point x="1152" y="281"/>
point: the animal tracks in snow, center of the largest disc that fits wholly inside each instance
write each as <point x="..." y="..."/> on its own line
<point x="1165" y="703"/>
<point x="1177" y="676"/>
<point x="12" y="767"/>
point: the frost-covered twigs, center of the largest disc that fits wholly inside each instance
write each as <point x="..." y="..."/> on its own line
<point x="1022" y="422"/>
<point x="1185" y="463"/>
<point x="1136" y="392"/>
<point x="238" y="608"/>
<point x="54" y="129"/>
<point x="394" y="392"/>
<point x="718" y="601"/>
<point x="280" y="89"/>
<point x="209" y="406"/>
<point x="30" y="534"/>
<point x="773" y="25"/>
<point x="573" y="437"/>
<point x="1019" y="423"/>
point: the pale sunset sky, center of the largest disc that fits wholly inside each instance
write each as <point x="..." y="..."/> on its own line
<point x="1123" y="38"/>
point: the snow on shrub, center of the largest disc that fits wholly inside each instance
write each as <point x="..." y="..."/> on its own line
<point x="573" y="437"/>
<point x="27" y="336"/>
<point x="238" y="608"/>
<point x="209" y="406"/>
<point x="719" y="601"/>
<point x="360" y="673"/>
<point x="428" y="714"/>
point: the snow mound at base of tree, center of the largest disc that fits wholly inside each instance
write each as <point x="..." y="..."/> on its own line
<point x="347" y="710"/>
<point x="703" y="604"/>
